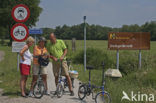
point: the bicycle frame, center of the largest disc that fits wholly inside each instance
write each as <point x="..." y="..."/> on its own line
<point x="89" y="85"/>
<point x="88" y="88"/>
<point x="103" y="81"/>
<point x="60" y="79"/>
<point x="89" y="79"/>
<point x="103" y="90"/>
<point x="40" y="89"/>
<point x="60" y="72"/>
<point x="39" y="73"/>
<point x="103" y="94"/>
<point x="59" y="87"/>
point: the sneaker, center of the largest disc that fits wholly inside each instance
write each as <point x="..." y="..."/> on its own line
<point x="24" y="96"/>
<point x="71" y="93"/>
<point x="30" y="94"/>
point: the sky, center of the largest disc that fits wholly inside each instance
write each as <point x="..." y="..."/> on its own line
<point x="111" y="13"/>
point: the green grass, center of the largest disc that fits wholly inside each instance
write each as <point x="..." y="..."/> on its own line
<point x="9" y="74"/>
<point x="143" y="80"/>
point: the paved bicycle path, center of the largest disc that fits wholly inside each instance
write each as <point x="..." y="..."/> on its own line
<point x="48" y="99"/>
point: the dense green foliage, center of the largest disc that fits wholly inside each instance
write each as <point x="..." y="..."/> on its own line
<point x="6" y="21"/>
<point x="94" y="57"/>
<point x="98" y="32"/>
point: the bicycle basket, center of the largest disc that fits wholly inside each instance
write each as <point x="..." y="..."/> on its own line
<point x="73" y="74"/>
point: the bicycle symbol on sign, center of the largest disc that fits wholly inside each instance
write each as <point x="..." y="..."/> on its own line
<point x="18" y="32"/>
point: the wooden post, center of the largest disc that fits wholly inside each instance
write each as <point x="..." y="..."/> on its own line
<point x="73" y="44"/>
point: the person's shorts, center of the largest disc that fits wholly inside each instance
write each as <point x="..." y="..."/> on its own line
<point x="56" y="68"/>
<point x="35" y="70"/>
<point x="25" y="69"/>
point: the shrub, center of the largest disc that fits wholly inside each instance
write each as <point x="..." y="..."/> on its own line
<point x="128" y="63"/>
<point x="94" y="57"/>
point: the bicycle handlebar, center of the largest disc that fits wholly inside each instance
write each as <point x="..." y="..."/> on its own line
<point x="37" y="56"/>
<point x="59" y="60"/>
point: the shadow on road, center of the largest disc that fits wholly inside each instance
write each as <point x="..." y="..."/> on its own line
<point x="11" y="93"/>
<point x="78" y="100"/>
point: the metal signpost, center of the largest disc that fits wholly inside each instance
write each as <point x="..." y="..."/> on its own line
<point x="84" y="43"/>
<point x="128" y="41"/>
<point x="35" y="32"/>
<point x="16" y="47"/>
<point x="73" y="44"/>
<point x="117" y="59"/>
<point x="19" y="32"/>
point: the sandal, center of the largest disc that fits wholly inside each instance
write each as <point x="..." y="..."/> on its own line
<point x="24" y="96"/>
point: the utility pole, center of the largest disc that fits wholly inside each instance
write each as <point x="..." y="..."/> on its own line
<point x="84" y="43"/>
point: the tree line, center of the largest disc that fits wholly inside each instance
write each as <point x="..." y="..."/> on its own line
<point x="98" y="32"/>
<point x="94" y="32"/>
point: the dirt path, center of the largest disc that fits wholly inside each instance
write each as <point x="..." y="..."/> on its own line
<point x="48" y="99"/>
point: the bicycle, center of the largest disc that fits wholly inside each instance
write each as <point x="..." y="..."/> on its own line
<point x="102" y="96"/>
<point x="39" y="86"/>
<point x="59" y="88"/>
<point x="86" y="89"/>
<point x="62" y="82"/>
<point x="72" y="79"/>
<point x="18" y="32"/>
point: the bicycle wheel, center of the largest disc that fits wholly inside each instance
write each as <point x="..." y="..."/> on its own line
<point x="39" y="89"/>
<point x="102" y="98"/>
<point x="82" y="92"/>
<point x="59" y="90"/>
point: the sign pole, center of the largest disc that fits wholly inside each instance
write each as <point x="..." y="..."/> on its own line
<point x="139" y="59"/>
<point x="117" y="59"/>
<point x="20" y="13"/>
<point x="35" y="32"/>
<point x="18" y="61"/>
<point x="35" y="39"/>
<point x="84" y="43"/>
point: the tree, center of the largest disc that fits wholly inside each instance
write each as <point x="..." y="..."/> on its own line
<point x="2" y="35"/>
<point x="47" y="31"/>
<point x="150" y="27"/>
<point x="7" y="21"/>
<point x="98" y="32"/>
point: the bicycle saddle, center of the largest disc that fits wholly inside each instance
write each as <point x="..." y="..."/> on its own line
<point x="90" y="67"/>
